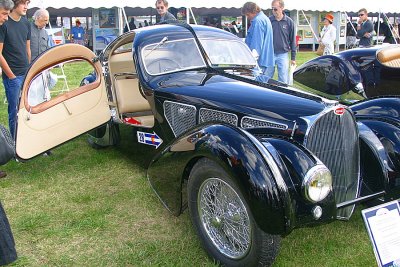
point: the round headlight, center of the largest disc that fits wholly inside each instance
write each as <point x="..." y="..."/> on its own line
<point x="318" y="183"/>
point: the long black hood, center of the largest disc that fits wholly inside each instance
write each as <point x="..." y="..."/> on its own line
<point x="237" y="94"/>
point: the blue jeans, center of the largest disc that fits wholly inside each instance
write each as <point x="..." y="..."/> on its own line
<point x="282" y="63"/>
<point x="264" y="74"/>
<point x="13" y="91"/>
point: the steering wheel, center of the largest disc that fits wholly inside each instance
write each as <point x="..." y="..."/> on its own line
<point x="163" y="65"/>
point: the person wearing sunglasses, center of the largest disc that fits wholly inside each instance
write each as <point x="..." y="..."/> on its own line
<point x="365" y="29"/>
<point x="162" y="10"/>
<point x="284" y="41"/>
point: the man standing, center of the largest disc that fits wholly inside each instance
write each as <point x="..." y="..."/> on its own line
<point x="259" y="38"/>
<point x="8" y="253"/>
<point x="39" y="36"/>
<point x="284" y="41"/>
<point x="365" y="29"/>
<point x="5" y="7"/>
<point x="78" y="33"/>
<point x="162" y="10"/>
<point x="15" y="56"/>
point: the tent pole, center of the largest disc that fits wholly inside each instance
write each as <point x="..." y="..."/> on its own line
<point x="391" y="28"/>
<point x="349" y="20"/>
<point x="191" y="12"/>
<point x="309" y="25"/>
<point x="352" y="26"/>
<point x="379" y="26"/>
<point x="125" y="18"/>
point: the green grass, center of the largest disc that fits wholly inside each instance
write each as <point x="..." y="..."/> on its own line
<point x="85" y="207"/>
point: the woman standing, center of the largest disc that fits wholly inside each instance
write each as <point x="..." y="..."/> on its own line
<point x="328" y="35"/>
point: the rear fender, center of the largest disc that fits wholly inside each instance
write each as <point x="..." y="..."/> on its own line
<point x="234" y="151"/>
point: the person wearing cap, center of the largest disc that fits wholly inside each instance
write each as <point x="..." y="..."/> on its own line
<point x="365" y="29"/>
<point x="78" y="33"/>
<point x="328" y="35"/>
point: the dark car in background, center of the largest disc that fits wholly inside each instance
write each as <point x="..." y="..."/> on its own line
<point x="252" y="161"/>
<point x="353" y="75"/>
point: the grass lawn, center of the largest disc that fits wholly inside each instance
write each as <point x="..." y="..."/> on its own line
<point x="86" y="207"/>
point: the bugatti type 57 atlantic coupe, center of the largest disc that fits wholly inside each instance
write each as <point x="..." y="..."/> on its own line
<point x="252" y="161"/>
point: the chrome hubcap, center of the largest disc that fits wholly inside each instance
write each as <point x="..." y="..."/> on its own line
<point x="224" y="218"/>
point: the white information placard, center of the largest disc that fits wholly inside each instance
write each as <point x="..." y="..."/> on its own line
<point x="383" y="226"/>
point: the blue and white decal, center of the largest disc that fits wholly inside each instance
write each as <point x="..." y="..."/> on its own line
<point x="151" y="139"/>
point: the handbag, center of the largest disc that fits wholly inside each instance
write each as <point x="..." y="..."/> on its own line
<point x="320" y="50"/>
<point x="321" y="47"/>
<point x="7" y="148"/>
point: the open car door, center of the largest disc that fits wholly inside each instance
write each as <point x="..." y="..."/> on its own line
<point x="54" y="107"/>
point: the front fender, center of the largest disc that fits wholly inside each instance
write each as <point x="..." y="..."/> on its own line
<point x="383" y="108"/>
<point x="294" y="162"/>
<point x="233" y="150"/>
<point x="381" y="144"/>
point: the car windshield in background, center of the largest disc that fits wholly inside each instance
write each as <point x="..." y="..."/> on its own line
<point x="171" y="56"/>
<point x="228" y="53"/>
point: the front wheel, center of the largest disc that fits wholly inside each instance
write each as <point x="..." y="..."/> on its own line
<point x="223" y="220"/>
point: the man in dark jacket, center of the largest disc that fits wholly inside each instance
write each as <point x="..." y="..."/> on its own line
<point x="162" y="10"/>
<point x="39" y="36"/>
<point x="365" y="29"/>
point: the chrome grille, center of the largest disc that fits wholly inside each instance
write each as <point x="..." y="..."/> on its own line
<point x="180" y="117"/>
<point x="206" y="114"/>
<point x="248" y="122"/>
<point x="334" y="140"/>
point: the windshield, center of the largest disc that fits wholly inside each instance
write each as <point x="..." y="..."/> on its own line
<point x="226" y="53"/>
<point x="171" y="56"/>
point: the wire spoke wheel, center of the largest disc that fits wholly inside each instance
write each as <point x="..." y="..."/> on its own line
<point x="224" y="218"/>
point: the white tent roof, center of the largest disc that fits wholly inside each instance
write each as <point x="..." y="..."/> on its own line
<point x="389" y="6"/>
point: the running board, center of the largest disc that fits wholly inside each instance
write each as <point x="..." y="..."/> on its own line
<point x="360" y="199"/>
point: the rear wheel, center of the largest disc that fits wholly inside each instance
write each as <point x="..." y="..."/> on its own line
<point x="104" y="136"/>
<point x="223" y="220"/>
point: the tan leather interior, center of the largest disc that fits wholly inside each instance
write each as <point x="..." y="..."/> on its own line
<point x="129" y="99"/>
<point x="122" y="63"/>
<point x="390" y="56"/>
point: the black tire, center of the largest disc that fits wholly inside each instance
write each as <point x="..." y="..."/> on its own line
<point x="8" y="253"/>
<point x="220" y="233"/>
<point x="104" y="136"/>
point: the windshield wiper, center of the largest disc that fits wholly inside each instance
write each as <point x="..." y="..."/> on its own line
<point x="163" y="40"/>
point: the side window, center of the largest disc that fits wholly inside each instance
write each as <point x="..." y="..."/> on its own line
<point x="313" y="76"/>
<point x="58" y="80"/>
<point x="336" y="79"/>
<point x="327" y="77"/>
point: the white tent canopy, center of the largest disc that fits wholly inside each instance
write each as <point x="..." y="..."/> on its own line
<point x="387" y="6"/>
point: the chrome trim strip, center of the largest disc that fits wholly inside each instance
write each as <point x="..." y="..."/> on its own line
<point x="360" y="199"/>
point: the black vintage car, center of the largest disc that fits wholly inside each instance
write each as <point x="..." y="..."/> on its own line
<point x="353" y="75"/>
<point x="252" y="161"/>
